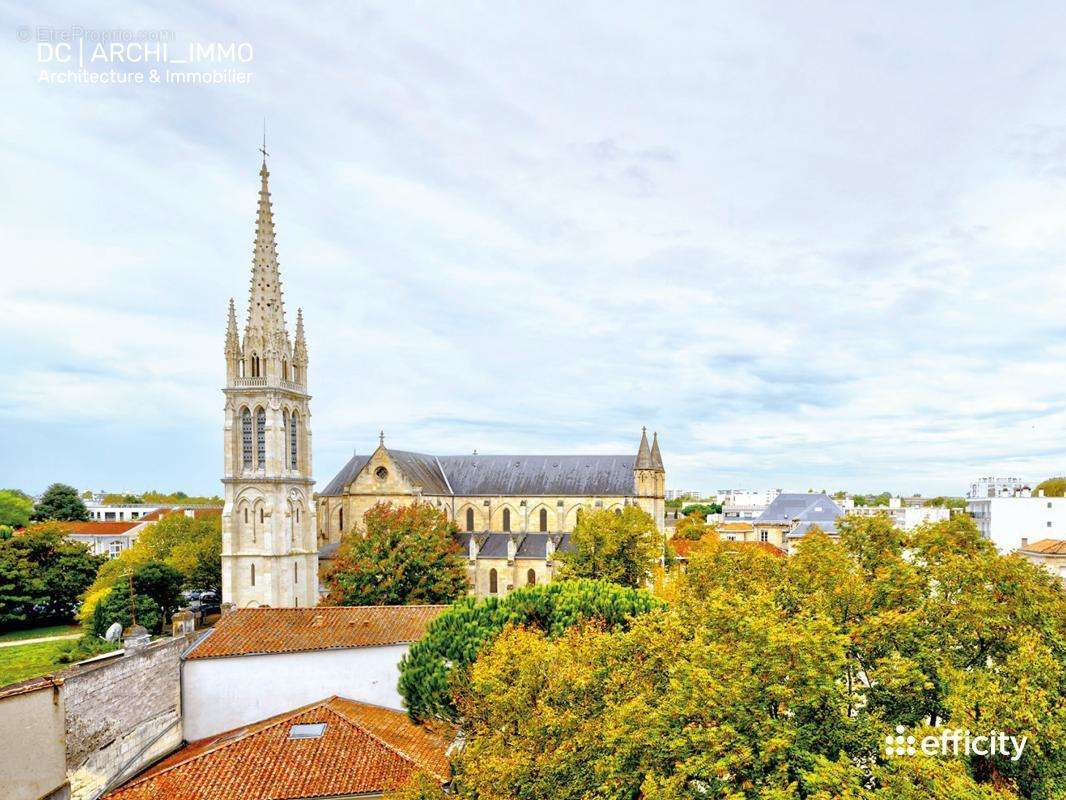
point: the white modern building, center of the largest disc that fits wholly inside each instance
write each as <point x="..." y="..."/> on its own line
<point x="905" y="517"/>
<point x="993" y="486"/>
<point x="682" y="494"/>
<point x="258" y="662"/>
<point x="98" y="512"/>
<point x="1011" y="522"/>
<point x="744" y="505"/>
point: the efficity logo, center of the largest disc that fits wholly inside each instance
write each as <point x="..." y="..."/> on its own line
<point x="956" y="742"/>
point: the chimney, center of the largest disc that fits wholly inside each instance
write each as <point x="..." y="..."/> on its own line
<point x="1025" y="542"/>
<point x="135" y="638"/>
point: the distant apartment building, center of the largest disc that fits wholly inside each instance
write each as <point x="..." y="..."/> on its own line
<point x="744" y="504"/>
<point x="995" y="487"/>
<point x="682" y="494"/>
<point x="98" y="512"/>
<point x="1009" y="522"/>
<point x="904" y="516"/>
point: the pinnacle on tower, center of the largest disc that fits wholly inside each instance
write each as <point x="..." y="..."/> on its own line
<point x="644" y="460"/>
<point x="299" y="353"/>
<point x="656" y="456"/>
<point x="233" y="345"/>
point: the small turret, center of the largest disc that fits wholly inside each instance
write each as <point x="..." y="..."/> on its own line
<point x="299" y="350"/>
<point x="643" y="452"/>
<point x="656" y="456"/>
<point x="233" y="345"/>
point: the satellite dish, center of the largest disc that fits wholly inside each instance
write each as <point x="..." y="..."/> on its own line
<point x="114" y="633"/>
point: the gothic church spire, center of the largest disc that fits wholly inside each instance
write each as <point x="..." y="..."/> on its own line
<point x="644" y="453"/>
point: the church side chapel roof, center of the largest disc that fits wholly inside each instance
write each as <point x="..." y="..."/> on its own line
<point x="335" y="747"/>
<point x="261" y="631"/>
<point x="492" y="475"/>
<point x="531" y="545"/>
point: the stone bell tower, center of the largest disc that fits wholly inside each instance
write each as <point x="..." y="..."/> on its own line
<point x="649" y="479"/>
<point x="269" y="547"/>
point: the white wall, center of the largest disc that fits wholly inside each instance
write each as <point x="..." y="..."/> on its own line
<point x="34" y="762"/>
<point x="223" y="693"/>
<point x="1007" y="520"/>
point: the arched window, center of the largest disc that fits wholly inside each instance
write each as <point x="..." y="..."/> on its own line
<point x="261" y="516"/>
<point x="340" y="520"/>
<point x="260" y="438"/>
<point x="253" y="574"/>
<point x="294" y="425"/>
<point x="507" y="520"/>
<point x="618" y="511"/>
<point x="246" y="515"/>
<point x="544" y="519"/>
<point x="246" y="438"/>
<point x="255" y="365"/>
<point x="470" y="519"/>
<point x="295" y="572"/>
<point x="531" y="578"/>
<point x="297" y="515"/>
<point x="285" y="370"/>
<point x="493" y="588"/>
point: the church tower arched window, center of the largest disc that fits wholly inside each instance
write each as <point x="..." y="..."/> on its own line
<point x="493" y="582"/>
<point x="294" y="426"/>
<point x="470" y="519"/>
<point x="246" y="438"/>
<point x="531" y="578"/>
<point x="544" y="520"/>
<point x="507" y="520"/>
<point x="260" y="438"/>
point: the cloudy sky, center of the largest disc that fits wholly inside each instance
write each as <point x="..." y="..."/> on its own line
<point x="812" y="244"/>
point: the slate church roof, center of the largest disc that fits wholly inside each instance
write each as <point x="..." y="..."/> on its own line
<point x="531" y="545"/>
<point x="490" y="475"/>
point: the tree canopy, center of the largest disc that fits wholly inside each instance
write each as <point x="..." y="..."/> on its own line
<point x="1052" y="487"/>
<point x="60" y="502"/>
<point x="16" y="509"/>
<point x="435" y="666"/>
<point x="622" y="547"/>
<point x="779" y="678"/>
<point x="408" y="555"/>
<point x="42" y="575"/>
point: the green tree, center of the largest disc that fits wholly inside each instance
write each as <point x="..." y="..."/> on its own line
<point x="435" y="666"/>
<point x="15" y="509"/>
<point x="162" y="583"/>
<point x="702" y="509"/>
<point x="408" y="555"/>
<point x="117" y="606"/>
<point x="779" y="679"/>
<point x="62" y="569"/>
<point x="61" y="502"/>
<point x="619" y="547"/>
<point x="20" y="591"/>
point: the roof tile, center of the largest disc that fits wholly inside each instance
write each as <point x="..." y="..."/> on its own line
<point x="256" y="631"/>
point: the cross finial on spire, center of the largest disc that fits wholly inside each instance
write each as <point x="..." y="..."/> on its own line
<point x="381" y="438"/>
<point x="263" y="149"/>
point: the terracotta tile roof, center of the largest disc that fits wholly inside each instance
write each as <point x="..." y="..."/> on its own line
<point x="735" y="526"/>
<point x="684" y="547"/>
<point x="100" y="528"/>
<point x="252" y="631"/>
<point x="363" y="749"/>
<point x="1047" y="547"/>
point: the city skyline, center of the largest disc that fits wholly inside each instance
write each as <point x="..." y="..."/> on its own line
<point x="807" y="261"/>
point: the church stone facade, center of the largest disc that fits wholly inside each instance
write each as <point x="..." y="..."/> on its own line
<point x="269" y="549"/>
<point x="515" y="512"/>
